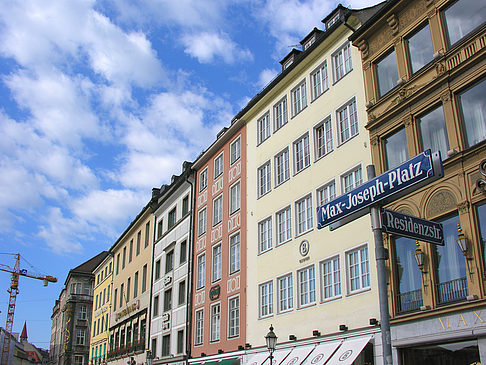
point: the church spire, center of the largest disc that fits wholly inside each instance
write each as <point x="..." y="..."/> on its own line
<point x="23" y="336"/>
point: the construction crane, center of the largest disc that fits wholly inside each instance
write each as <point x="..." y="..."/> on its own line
<point x="16" y="272"/>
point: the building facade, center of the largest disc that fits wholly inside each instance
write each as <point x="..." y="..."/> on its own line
<point x="219" y="266"/>
<point x="171" y="280"/>
<point x="130" y="309"/>
<point x="424" y="64"/>
<point x="100" y="316"/>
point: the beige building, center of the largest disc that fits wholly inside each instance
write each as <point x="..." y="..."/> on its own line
<point x="306" y="145"/>
<point x="100" y="318"/>
<point x="132" y="264"/>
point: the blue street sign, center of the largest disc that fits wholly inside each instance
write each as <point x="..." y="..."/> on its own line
<point x="412" y="227"/>
<point x="412" y="174"/>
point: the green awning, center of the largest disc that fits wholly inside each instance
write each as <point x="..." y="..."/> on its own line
<point x="230" y="361"/>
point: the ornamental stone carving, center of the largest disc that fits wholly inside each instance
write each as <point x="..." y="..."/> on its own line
<point x="392" y="21"/>
<point x="364" y="48"/>
<point x="441" y="202"/>
<point x="463" y="207"/>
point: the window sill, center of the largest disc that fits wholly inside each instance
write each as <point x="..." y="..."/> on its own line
<point x="304" y="233"/>
<point x="318" y="158"/>
<point x="266" y="316"/>
<point x="302" y="169"/>
<point x="260" y="142"/>
<point x="349" y="139"/>
<point x="359" y="291"/>
<point x="263" y="252"/>
<point x="306" y="306"/>
<point x="342" y="77"/>
<point x="266" y="193"/>
<point x="235" y="161"/>
<point x="331" y="299"/>
<point x="283" y="242"/>
<point x="318" y="96"/>
<point x="283" y="182"/>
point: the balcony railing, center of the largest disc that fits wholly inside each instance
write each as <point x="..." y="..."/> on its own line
<point x="452" y="291"/>
<point x="122" y="351"/>
<point x="410" y="301"/>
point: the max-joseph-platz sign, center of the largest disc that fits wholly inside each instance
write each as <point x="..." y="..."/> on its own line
<point x="392" y="184"/>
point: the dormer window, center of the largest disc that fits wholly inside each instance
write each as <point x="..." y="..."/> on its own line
<point x="309" y="42"/>
<point x="333" y="20"/>
<point x="288" y="63"/>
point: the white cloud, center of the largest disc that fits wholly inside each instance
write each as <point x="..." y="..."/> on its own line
<point x="206" y="47"/>
<point x="266" y="76"/>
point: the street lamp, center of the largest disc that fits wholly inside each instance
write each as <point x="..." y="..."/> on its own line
<point x="271" y="339"/>
<point x="463" y="243"/>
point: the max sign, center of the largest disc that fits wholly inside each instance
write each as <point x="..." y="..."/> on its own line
<point x="416" y="172"/>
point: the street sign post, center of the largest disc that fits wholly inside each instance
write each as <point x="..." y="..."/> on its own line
<point x="412" y="227"/>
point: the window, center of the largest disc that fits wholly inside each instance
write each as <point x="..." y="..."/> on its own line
<point x="166" y="345"/>
<point x="266" y="299"/>
<point x="201" y="270"/>
<point x="347" y="119"/>
<point x="264" y="179"/>
<point x="319" y="81"/>
<point x="169" y="261"/>
<point x="130" y="252"/>
<point x="218" y="166"/>
<point x="128" y="290"/>
<point x="358" y="269"/>
<point x="157" y="270"/>
<point x="283" y="225"/>
<point x="218" y="210"/>
<point x="234" y="317"/>
<point x="420" y="48"/>
<point x="342" y="62"/>
<point x="185" y="205"/>
<point x="199" y="327"/>
<point x="323" y="138"/>
<point x="235" y="150"/>
<point x="301" y="153"/>
<point x="351" y="180"/>
<point x="135" y="286"/>
<point x="156" y="306"/>
<point x="307" y="286"/>
<point x="216" y="262"/>
<point x="263" y="128"/>
<point x="396" y="149"/>
<point x="144" y="278"/>
<point x="280" y="117"/>
<point x="462" y="18"/>
<point x="182" y="293"/>
<point x="326" y="193"/>
<point x="147" y="233"/>
<point x="115" y="296"/>
<point x="124" y="256"/>
<point x="117" y="264"/>
<point x="473" y="109"/>
<point x="160" y="226"/>
<point x="139" y="239"/>
<point x="180" y="341"/>
<point x="299" y="98"/>
<point x="433" y="131"/>
<point x="78" y="360"/>
<point x="387" y="72"/>
<point x="235" y="197"/>
<point x="122" y="293"/>
<point x="285" y="293"/>
<point x="203" y="179"/>
<point x="331" y="278"/>
<point x="215" y="322"/>
<point x="172" y="218"/>
<point x="234" y="253"/>
<point x="265" y="235"/>
<point x="168" y="300"/>
<point x="282" y="169"/>
<point x="201" y="221"/>
<point x="83" y="312"/>
<point x="80" y="336"/>
<point x="481" y="223"/>
<point x="183" y="252"/>
<point x="303" y="212"/>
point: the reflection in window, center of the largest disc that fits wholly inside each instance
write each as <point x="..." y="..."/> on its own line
<point x="396" y="148"/>
<point x="433" y="132"/>
<point x="466" y="352"/>
<point x="481" y="214"/>
<point x="463" y="17"/>
<point x="474" y="113"/>
<point x="420" y="48"/>
<point x="387" y="73"/>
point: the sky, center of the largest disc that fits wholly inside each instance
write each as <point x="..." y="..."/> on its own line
<point x="100" y="101"/>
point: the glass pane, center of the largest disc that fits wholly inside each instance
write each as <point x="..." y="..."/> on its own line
<point x="438" y="354"/>
<point x="408" y="271"/>
<point x="396" y="148"/>
<point x="463" y="17"/>
<point x="474" y="113"/>
<point x="420" y="48"/>
<point x="481" y="211"/>
<point x="387" y="72"/>
<point x="434" y="133"/>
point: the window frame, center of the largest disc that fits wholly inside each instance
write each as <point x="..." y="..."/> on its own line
<point x="235" y="204"/>
<point x="327" y="143"/>
<point x="201" y="271"/>
<point x="323" y="82"/>
<point x="215" y="323"/>
<point x="217" y="210"/>
<point x="268" y="303"/>
<point x="203" y="179"/>
<point x="234" y="157"/>
<point x="308" y="218"/>
<point x="298" y="97"/>
<point x="236" y="328"/>
<point x="216" y="262"/>
<point x="267" y="222"/>
<point x="311" y="291"/>
<point x="234" y="259"/>
<point x="218" y="165"/>
<point x="287" y="225"/>
<point x="263" y="128"/>
<point x="306" y="159"/>
<point x="264" y="172"/>
<point x="289" y="290"/>
<point x="198" y="327"/>
<point x="350" y="290"/>
<point x="331" y="260"/>
<point x="199" y="216"/>
<point x="285" y="172"/>
<point x="340" y="52"/>
<point x="280" y="108"/>
<point x="350" y="172"/>
<point x="323" y="187"/>
<point x="347" y="122"/>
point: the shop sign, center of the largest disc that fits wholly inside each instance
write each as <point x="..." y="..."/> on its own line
<point x="166" y="317"/>
<point x="127" y="310"/>
<point x="412" y="227"/>
<point x="214" y="292"/>
<point x="417" y="171"/>
<point x="167" y="280"/>
<point x="101" y="311"/>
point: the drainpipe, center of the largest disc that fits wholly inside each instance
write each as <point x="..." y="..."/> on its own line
<point x="189" y="265"/>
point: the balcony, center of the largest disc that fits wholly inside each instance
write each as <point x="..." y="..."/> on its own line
<point x="452" y="291"/>
<point x="409" y="302"/>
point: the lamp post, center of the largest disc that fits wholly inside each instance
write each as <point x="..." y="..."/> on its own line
<point x="462" y="242"/>
<point x="271" y="339"/>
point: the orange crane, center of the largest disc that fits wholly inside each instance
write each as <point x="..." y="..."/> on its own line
<point x="16" y="272"/>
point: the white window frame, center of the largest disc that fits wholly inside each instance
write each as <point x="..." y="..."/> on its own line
<point x="235" y="197"/>
<point x="235" y="150"/>
<point x="216" y="258"/>
<point x="264" y="179"/>
<point x="199" y="327"/>
<point x="235" y="253"/>
<point x="234" y="316"/>
<point x="283" y="225"/>
<point x="342" y="60"/>
<point x="201" y="271"/>
<point x="83" y="311"/>
<point x="80" y="336"/>
<point x="299" y="97"/>
<point x="327" y="190"/>
<point x="215" y="322"/>
<point x="76" y="360"/>
<point x="265" y="235"/>
<point x="319" y="81"/>
<point x="280" y="114"/>
<point x="263" y="128"/>
<point x="355" y="175"/>
<point x="282" y="166"/>
<point x="265" y="295"/>
<point x="285" y="293"/>
<point x="306" y="286"/>
<point x="304" y="221"/>
<point x="219" y="165"/>
<point x="327" y="145"/>
<point x="203" y="179"/>
<point x="301" y="148"/>
<point x="347" y="121"/>
<point x="358" y="272"/>
<point x="217" y="210"/>
<point x="330" y="270"/>
<point x="202" y="221"/>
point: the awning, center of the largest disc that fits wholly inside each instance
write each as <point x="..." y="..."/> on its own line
<point x="230" y="361"/>
<point x="298" y="355"/>
<point x="261" y="358"/>
<point x="349" y="351"/>
<point x="321" y="353"/>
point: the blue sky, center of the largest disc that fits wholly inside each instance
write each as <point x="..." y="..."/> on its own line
<point x="103" y="100"/>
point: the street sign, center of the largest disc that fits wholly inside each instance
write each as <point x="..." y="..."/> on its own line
<point x="399" y="181"/>
<point x="412" y="227"/>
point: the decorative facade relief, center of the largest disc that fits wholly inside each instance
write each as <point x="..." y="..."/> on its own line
<point x="392" y="21"/>
<point x="441" y="202"/>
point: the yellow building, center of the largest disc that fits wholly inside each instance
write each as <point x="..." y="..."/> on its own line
<point x="424" y="65"/>
<point x="100" y="318"/>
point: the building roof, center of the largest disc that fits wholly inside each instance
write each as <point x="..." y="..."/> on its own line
<point x="87" y="267"/>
